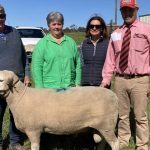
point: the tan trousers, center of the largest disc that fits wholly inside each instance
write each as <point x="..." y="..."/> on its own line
<point x="133" y="92"/>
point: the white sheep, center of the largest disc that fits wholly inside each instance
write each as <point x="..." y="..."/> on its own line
<point x="45" y="110"/>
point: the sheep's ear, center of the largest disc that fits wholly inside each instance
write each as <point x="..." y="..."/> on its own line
<point x="8" y="75"/>
<point x="15" y="78"/>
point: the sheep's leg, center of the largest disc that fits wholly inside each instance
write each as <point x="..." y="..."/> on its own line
<point x="98" y="138"/>
<point x="101" y="145"/>
<point x="35" y="146"/>
<point x="111" y="138"/>
<point x="34" y="138"/>
<point x="115" y="146"/>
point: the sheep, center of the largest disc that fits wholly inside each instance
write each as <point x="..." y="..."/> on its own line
<point x="46" y="110"/>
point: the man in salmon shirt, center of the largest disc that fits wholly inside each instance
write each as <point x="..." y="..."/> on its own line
<point x="128" y="58"/>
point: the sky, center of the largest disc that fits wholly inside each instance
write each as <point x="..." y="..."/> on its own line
<point x="34" y="12"/>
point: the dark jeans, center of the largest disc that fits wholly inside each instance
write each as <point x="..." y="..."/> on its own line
<point x="15" y="136"/>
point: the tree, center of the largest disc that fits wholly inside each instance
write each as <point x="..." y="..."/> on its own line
<point x="81" y="29"/>
<point x="73" y="27"/>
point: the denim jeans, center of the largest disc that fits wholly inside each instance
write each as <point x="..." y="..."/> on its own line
<point x="15" y="136"/>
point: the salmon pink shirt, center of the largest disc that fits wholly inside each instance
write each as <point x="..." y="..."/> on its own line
<point x="139" y="53"/>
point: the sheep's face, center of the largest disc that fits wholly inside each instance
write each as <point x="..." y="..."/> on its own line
<point x="4" y="82"/>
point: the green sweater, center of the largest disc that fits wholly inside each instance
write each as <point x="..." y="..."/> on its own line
<point x="55" y="65"/>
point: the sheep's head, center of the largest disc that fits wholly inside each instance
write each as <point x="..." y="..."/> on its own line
<point x="7" y="79"/>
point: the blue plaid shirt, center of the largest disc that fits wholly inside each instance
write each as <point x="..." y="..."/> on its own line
<point x="2" y="36"/>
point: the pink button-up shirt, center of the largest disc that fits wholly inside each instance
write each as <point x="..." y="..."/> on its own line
<point x="139" y="53"/>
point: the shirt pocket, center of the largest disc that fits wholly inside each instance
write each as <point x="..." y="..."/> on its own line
<point x="140" y="41"/>
<point x="117" y="47"/>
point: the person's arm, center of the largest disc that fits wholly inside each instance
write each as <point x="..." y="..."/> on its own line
<point x="78" y="67"/>
<point x="37" y="66"/>
<point x="109" y="66"/>
<point x="27" y="79"/>
<point x="81" y="54"/>
<point x="149" y="62"/>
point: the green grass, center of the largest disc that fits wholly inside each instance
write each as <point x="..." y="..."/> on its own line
<point x="77" y="36"/>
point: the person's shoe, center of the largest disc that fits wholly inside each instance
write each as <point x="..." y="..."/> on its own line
<point x="16" y="147"/>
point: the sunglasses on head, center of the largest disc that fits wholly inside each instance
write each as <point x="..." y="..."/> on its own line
<point x="2" y="16"/>
<point x="96" y="26"/>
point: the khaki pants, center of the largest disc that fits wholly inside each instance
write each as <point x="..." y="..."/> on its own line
<point x="133" y="92"/>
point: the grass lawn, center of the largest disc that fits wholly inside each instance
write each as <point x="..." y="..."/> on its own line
<point x="77" y="36"/>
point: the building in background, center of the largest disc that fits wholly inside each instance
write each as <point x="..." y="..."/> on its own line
<point x="145" y="18"/>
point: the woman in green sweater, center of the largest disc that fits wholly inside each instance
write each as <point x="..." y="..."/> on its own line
<point x="55" y="59"/>
<point x="55" y="64"/>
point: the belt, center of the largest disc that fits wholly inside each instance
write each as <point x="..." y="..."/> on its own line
<point x="130" y="76"/>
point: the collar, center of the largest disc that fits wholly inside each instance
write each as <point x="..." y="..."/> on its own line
<point x="134" y="24"/>
<point x="100" y="40"/>
<point x="49" y="38"/>
<point x="7" y="29"/>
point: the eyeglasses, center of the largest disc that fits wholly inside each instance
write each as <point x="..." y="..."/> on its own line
<point x="96" y="26"/>
<point x="2" y="16"/>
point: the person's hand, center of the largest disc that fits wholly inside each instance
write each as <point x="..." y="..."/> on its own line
<point x="77" y="85"/>
<point x="104" y="85"/>
<point x="148" y="93"/>
<point x="27" y="81"/>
